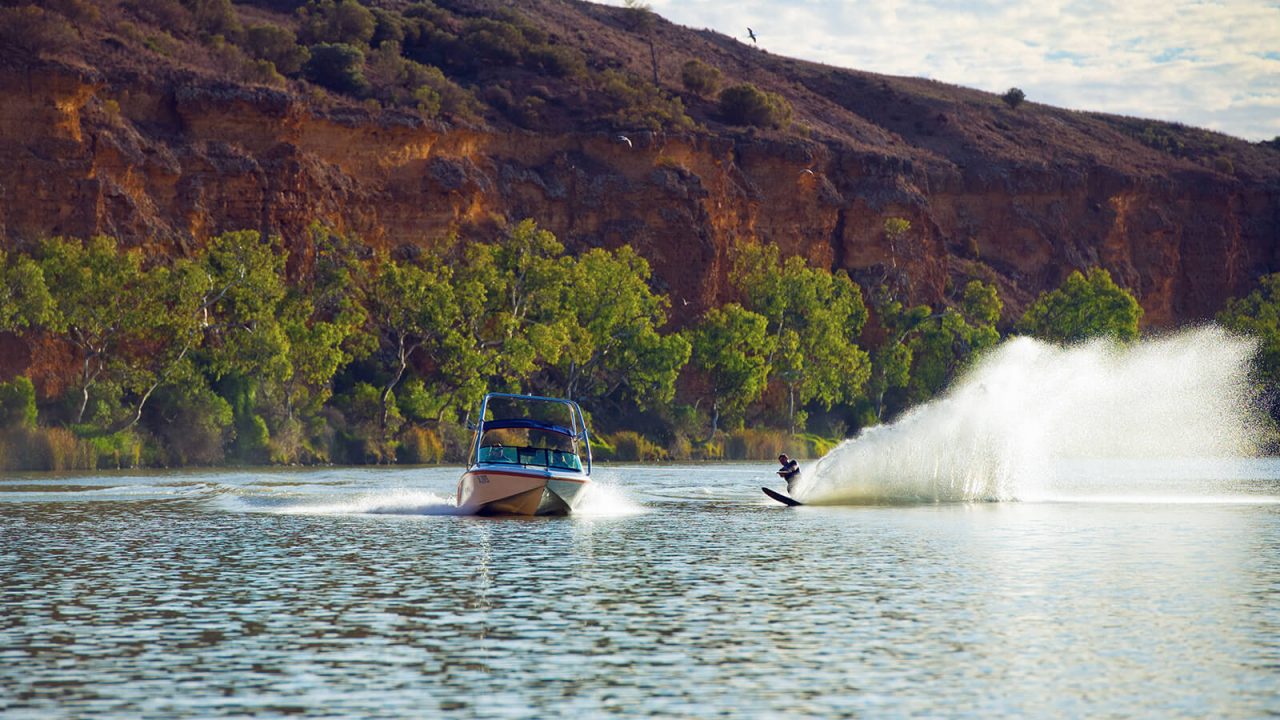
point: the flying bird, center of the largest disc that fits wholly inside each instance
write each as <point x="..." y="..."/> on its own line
<point x="806" y="171"/>
<point x="625" y="139"/>
<point x="752" y="34"/>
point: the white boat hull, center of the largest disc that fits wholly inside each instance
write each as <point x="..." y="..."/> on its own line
<point x="502" y="490"/>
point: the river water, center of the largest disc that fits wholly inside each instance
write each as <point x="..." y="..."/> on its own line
<point x="679" y="592"/>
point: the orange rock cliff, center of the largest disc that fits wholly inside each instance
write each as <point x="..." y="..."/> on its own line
<point x="1020" y="198"/>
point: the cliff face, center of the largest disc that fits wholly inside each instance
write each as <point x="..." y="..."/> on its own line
<point x="164" y="163"/>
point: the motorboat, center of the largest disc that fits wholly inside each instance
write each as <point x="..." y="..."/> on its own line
<point x="530" y="455"/>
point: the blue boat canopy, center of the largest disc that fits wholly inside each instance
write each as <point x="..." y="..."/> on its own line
<point x="527" y="423"/>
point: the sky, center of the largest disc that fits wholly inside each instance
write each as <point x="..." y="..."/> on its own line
<point x="1204" y="63"/>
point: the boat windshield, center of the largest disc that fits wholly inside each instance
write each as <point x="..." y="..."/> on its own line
<point x="529" y="446"/>
<point x="530" y="432"/>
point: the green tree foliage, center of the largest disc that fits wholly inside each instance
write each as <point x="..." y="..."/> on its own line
<point x="699" y="77"/>
<point x="495" y="41"/>
<point x="616" y="349"/>
<point x="339" y="67"/>
<point x="18" y="403"/>
<point x="417" y="313"/>
<point x="636" y="103"/>
<point x="99" y="302"/>
<point x="1258" y="315"/>
<point x="948" y="340"/>
<point x="245" y="284"/>
<point x="895" y="234"/>
<point x="731" y="348"/>
<point x="397" y="80"/>
<point x="388" y="27"/>
<point x="815" y="318"/>
<point x="746" y="104"/>
<point x="277" y="45"/>
<point x="891" y="362"/>
<point x="522" y="323"/>
<point x="1083" y="307"/>
<point x="194" y="422"/>
<point x="1013" y="97"/>
<point x="24" y="297"/>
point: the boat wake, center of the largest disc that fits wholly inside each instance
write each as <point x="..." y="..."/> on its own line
<point x="400" y="501"/>
<point x="602" y="499"/>
<point x="1012" y="427"/>
<point x="605" y="498"/>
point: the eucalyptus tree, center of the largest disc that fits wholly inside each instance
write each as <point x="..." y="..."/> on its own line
<point x="1084" y="306"/>
<point x="517" y="315"/>
<point x="325" y="321"/>
<point x="815" y="318"/>
<point x="1258" y="315"/>
<point x="616" y="348"/>
<point x="24" y="296"/>
<point x="730" y="348"/>
<point x="98" y="303"/>
<point x="948" y="340"/>
<point x="416" y="312"/>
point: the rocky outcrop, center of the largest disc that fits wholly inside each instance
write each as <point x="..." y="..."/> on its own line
<point x="164" y="164"/>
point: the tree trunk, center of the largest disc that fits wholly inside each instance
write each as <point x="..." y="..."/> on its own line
<point x="715" y="420"/>
<point x="386" y="391"/>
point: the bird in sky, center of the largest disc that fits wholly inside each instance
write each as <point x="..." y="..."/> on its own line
<point x="625" y="139"/>
<point x="752" y="34"/>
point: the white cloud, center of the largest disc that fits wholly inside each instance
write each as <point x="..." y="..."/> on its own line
<point x="1208" y="63"/>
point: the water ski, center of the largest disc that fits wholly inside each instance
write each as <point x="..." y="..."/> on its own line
<point x="788" y="501"/>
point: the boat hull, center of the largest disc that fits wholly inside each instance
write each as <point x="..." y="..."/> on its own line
<point x="491" y="491"/>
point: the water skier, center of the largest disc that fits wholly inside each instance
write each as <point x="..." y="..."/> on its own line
<point x="789" y="471"/>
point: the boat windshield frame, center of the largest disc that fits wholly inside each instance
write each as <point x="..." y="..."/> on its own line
<point x="551" y="458"/>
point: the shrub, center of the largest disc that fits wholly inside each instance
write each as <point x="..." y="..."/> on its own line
<point x="81" y="11"/>
<point x="746" y="104"/>
<point x="495" y="41"/>
<point x="456" y="440"/>
<point x="338" y="67"/>
<point x="168" y="14"/>
<point x="277" y="45"/>
<point x="23" y="448"/>
<point x="637" y="103"/>
<point x="754" y="444"/>
<point x="1013" y="97"/>
<point x="1224" y="165"/>
<point x="419" y="446"/>
<point x="117" y="450"/>
<point x="680" y="448"/>
<point x="388" y="27"/>
<point x="638" y="17"/>
<point x="634" y="447"/>
<point x="699" y="77"/>
<point x="193" y="423"/>
<point x="18" y="403"/>
<point x="557" y="60"/>
<point x="216" y="17"/>
<point x="344" y="22"/>
<point x="35" y="31"/>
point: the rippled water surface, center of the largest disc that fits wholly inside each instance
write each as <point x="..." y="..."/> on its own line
<point x="681" y="591"/>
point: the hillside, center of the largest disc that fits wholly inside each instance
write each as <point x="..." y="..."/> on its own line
<point x="163" y="123"/>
